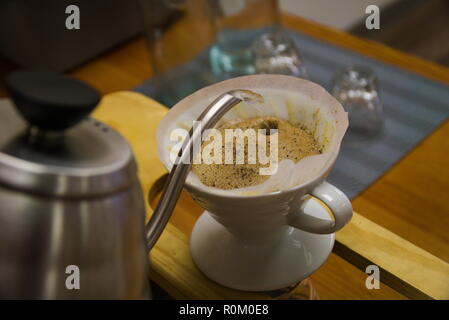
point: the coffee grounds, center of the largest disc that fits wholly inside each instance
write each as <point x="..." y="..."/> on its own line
<point x="294" y="143"/>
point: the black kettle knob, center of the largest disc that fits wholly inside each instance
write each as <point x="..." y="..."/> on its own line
<point x="49" y="100"/>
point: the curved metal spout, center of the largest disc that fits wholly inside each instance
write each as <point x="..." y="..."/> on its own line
<point x="178" y="174"/>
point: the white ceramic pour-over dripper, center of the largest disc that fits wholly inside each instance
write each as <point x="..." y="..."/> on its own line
<point x="255" y="240"/>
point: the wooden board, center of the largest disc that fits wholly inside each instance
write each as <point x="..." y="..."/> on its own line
<point x="407" y="268"/>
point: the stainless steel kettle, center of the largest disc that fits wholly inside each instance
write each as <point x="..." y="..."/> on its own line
<point x="71" y="207"/>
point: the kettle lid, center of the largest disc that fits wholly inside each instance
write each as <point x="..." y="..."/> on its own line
<point x="49" y="146"/>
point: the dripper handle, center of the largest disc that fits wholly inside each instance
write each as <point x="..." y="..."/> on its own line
<point x="335" y="200"/>
<point x="51" y="101"/>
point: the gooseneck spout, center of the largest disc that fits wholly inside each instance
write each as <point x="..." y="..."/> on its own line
<point x="178" y="174"/>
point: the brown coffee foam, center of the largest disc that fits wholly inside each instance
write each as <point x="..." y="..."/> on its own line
<point x="294" y="143"/>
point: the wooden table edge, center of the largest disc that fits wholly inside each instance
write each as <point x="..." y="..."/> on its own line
<point x="367" y="48"/>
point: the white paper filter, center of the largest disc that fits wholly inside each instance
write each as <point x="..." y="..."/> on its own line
<point x="286" y="97"/>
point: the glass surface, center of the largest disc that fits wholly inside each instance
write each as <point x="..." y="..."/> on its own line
<point x="304" y="290"/>
<point x="276" y="53"/>
<point x="357" y="90"/>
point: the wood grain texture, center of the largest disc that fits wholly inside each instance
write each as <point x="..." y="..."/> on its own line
<point x="120" y="69"/>
<point x="407" y="268"/>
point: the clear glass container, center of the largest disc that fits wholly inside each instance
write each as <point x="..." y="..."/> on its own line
<point x="238" y="24"/>
<point x="356" y="88"/>
<point x="276" y="53"/>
